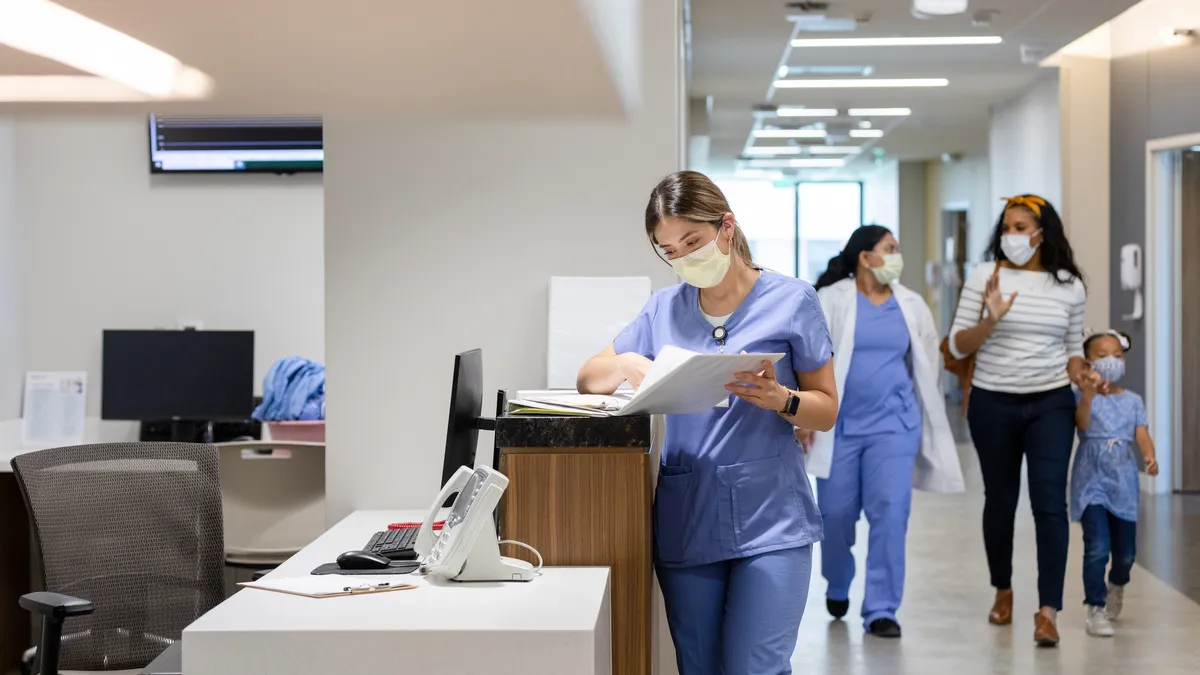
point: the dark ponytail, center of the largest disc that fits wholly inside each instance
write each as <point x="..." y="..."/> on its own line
<point x="845" y="264"/>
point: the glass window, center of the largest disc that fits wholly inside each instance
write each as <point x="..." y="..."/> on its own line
<point x="766" y="212"/>
<point x="828" y="214"/>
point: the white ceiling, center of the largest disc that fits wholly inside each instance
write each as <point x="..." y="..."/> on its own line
<point x="403" y="58"/>
<point x="738" y="45"/>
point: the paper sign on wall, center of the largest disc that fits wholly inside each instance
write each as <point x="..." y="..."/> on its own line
<point x="586" y="313"/>
<point x="54" y="409"/>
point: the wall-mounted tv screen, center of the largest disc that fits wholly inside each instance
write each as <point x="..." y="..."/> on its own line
<point x="271" y="144"/>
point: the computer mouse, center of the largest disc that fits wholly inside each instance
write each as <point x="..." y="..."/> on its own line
<point x="362" y="560"/>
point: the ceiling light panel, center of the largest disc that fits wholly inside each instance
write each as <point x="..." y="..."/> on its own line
<point x="834" y="150"/>
<point x="880" y="112"/>
<point x="49" y="30"/>
<point x="790" y="133"/>
<point x="965" y="40"/>
<point x="806" y="112"/>
<point x="866" y="83"/>
<point x="866" y="133"/>
<point x="804" y="163"/>
<point x="774" y="150"/>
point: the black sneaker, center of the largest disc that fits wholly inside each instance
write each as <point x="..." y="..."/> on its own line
<point x="885" y="628"/>
<point x="837" y="608"/>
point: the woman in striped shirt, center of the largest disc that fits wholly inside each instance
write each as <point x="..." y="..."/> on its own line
<point x="1022" y="318"/>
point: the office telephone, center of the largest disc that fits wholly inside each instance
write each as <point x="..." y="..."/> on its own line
<point x="467" y="548"/>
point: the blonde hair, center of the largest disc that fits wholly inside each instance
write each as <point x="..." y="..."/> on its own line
<point x="692" y="196"/>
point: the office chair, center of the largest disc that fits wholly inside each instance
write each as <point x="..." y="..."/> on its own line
<point x="131" y="545"/>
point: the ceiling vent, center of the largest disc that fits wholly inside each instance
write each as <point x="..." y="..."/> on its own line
<point x="807" y="7"/>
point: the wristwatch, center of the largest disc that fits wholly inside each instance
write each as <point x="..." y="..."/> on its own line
<point x="791" y="407"/>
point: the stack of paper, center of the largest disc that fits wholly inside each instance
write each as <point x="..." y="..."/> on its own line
<point x="680" y="382"/>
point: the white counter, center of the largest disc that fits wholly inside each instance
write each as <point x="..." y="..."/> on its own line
<point x="558" y="623"/>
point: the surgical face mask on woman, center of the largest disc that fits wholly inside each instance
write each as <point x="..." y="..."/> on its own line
<point x="705" y="267"/>
<point x="1018" y="248"/>
<point x="1111" y="368"/>
<point x="890" y="271"/>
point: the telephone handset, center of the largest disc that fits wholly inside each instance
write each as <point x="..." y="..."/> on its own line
<point x="467" y="549"/>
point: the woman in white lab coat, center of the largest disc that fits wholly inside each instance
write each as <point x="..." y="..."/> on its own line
<point x="892" y="432"/>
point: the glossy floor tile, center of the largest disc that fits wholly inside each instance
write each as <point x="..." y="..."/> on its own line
<point x="947" y="598"/>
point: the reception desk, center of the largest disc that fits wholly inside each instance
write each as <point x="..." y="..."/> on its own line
<point x="580" y="491"/>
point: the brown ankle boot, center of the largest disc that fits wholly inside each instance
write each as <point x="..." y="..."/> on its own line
<point x="1002" y="610"/>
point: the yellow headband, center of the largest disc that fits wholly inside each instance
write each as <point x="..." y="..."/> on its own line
<point x="1030" y="202"/>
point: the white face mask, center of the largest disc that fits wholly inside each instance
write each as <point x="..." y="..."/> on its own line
<point x="1017" y="248"/>
<point x="890" y="271"/>
<point x="703" y="268"/>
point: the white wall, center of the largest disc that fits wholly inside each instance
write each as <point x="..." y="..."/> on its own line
<point x="442" y="237"/>
<point x="1024" y="144"/>
<point x="11" y="356"/>
<point x="964" y="182"/>
<point x="1085" y="85"/>
<point x="881" y="196"/>
<point x="109" y="246"/>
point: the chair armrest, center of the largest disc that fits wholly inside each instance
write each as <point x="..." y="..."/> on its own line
<point x="55" y="605"/>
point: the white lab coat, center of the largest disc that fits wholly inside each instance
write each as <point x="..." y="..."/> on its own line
<point x="937" y="468"/>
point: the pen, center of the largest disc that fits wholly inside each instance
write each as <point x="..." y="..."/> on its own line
<point x="365" y="587"/>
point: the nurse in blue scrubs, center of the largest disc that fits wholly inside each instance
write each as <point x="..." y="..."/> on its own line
<point x="734" y="517"/>
<point x="892" y="432"/>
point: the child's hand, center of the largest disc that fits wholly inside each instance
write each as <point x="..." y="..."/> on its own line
<point x="1089" y="383"/>
<point x="1151" y="465"/>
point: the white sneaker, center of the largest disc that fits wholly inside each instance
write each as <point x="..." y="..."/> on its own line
<point x="1097" y="622"/>
<point x="1116" y="600"/>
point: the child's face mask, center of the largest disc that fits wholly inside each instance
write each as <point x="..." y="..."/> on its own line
<point x="1111" y="368"/>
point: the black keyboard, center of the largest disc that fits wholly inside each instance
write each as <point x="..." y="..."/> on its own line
<point x="394" y="544"/>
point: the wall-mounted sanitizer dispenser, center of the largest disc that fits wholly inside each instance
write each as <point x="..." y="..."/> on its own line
<point x="1131" y="278"/>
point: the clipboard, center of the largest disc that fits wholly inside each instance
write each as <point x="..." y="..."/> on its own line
<point x="326" y="586"/>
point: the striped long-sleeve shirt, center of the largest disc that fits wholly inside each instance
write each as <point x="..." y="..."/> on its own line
<point x="1028" y="350"/>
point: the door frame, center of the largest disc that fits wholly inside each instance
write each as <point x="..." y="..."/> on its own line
<point x="1162" y="276"/>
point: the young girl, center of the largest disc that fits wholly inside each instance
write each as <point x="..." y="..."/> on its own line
<point x="1104" y="480"/>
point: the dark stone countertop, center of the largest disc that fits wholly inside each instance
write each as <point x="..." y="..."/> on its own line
<point x="573" y="432"/>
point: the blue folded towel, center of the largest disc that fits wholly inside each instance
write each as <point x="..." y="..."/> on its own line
<point x="294" y="389"/>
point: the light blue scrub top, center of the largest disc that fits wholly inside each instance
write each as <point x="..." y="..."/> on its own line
<point x="879" y="396"/>
<point x="732" y="482"/>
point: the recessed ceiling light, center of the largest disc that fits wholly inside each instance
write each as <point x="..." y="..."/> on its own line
<point x="45" y="29"/>
<point x="812" y="163"/>
<point x="880" y="112"/>
<point x="866" y="133"/>
<point x="807" y="112"/>
<point x="790" y="133"/>
<point x="865" y="83"/>
<point x="834" y="149"/>
<point x="939" y="7"/>
<point x="864" y="125"/>
<point x="774" y="150"/>
<point x="899" y="41"/>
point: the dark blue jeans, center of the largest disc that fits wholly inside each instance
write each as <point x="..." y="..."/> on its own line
<point x="1038" y="429"/>
<point x="1103" y="535"/>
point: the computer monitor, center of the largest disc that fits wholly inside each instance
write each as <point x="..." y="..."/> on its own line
<point x="200" y="375"/>
<point x="466" y="406"/>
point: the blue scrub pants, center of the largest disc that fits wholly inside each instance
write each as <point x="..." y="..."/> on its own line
<point x="871" y="474"/>
<point x="737" y="617"/>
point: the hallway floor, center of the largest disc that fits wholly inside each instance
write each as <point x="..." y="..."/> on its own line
<point x="947" y="598"/>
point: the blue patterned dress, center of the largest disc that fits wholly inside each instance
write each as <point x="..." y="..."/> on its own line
<point x="1106" y="465"/>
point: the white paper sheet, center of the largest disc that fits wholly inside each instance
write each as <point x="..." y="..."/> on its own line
<point x="585" y="314"/>
<point x="683" y="382"/>
<point x="53" y="413"/>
